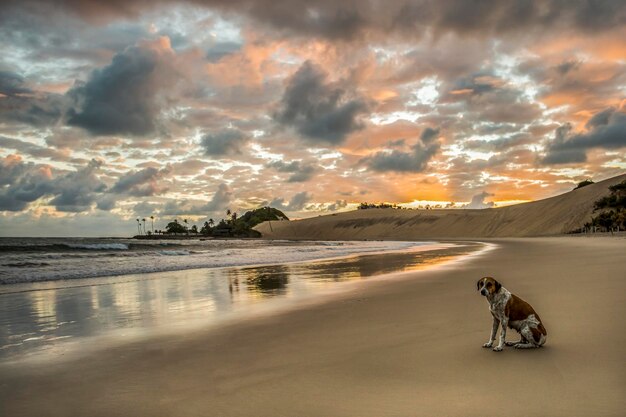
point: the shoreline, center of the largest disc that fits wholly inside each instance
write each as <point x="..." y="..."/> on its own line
<point x="133" y="299"/>
<point x="85" y="281"/>
<point x="409" y="346"/>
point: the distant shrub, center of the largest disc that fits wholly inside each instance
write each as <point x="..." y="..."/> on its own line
<point x="583" y="184"/>
<point x="611" y="208"/>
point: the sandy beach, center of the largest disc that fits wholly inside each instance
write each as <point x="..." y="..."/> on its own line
<point x="394" y="346"/>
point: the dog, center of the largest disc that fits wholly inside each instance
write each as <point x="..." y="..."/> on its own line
<point x="511" y="311"/>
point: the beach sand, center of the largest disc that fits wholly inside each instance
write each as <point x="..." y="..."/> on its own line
<point x="397" y="346"/>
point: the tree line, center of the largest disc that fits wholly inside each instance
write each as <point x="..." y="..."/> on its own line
<point x="232" y="225"/>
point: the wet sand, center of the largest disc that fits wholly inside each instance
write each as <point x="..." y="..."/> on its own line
<point x="394" y="346"/>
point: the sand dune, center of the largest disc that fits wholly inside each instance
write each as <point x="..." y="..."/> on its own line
<point x="552" y="216"/>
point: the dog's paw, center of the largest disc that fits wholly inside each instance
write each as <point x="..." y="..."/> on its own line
<point x="510" y="343"/>
<point x="488" y="345"/>
<point x="497" y="348"/>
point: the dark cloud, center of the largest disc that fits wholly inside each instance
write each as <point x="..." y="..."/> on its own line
<point x="23" y="183"/>
<point x="297" y="202"/>
<point x="123" y="97"/>
<point x="12" y="84"/>
<point x="77" y="191"/>
<point x="351" y="18"/>
<point x="319" y="110"/>
<point x="567" y="66"/>
<point x="488" y="98"/>
<point x="24" y="106"/>
<point x="602" y="118"/>
<point x="224" y="142"/>
<point x="606" y="130"/>
<point x="414" y="160"/>
<point x="141" y="183"/>
<point x="300" y="171"/>
<point x="428" y="135"/>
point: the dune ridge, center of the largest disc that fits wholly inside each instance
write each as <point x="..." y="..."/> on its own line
<point x="552" y="216"/>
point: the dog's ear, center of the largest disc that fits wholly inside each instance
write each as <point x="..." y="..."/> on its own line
<point x="498" y="286"/>
<point x="478" y="284"/>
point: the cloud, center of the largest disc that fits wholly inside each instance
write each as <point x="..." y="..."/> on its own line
<point x="123" y="97"/>
<point x="416" y="160"/>
<point x="23" y="183"/>
<point x="145" y="208"/>
<point x="222" y="49"/>
<point x="77" y="191"/>
<point x="12" y="84"/>
<point x="478" y="201"/>
<point x="605" y="130"/>
<point x="20" y="104"/>
<point x="224" y="142"/>
<point x="221" y="199"/>
<point x="318" y="110"/>
<point x="300" y="171"/>
<point x="297" y="202"/>
<point x="219" y="202"/>
<point x="351" y="18"/>
<point x="33" y="150"/>
<point x="141" y="183"/>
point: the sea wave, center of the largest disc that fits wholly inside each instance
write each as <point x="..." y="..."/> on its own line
<point x="70" y="247"/>
<point x="66" y="260"/>
<point x="26" y="264"/>
<point x="98" y="246"/>
<point x="173" y="252"/>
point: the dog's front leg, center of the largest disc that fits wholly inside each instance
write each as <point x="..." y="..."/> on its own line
<point x="494" y="330"/>
<point x="500" y="346"/>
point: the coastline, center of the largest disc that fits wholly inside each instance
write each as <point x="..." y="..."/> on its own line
<point x="408" y="346"/>
<point x="44" y="321"/>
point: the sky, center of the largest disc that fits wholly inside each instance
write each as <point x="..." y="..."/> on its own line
<point x="112" y="111"/>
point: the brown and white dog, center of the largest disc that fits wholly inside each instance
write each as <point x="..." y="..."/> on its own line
<point x="509" y="310"/>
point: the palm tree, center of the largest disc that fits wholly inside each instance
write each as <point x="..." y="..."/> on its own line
<point x="138" y="226"/>
<point x="211" y="223"/>
<point x="186" y="230"/>
<point x="144" y="226"/>
<point x="152" y="218"/>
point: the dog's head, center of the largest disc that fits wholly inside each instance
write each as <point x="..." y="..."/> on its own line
<point x="488" y="286"/>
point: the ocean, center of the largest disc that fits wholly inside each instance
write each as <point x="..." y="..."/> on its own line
<point x="47" y="259"/>
<point x="73" y="294"/>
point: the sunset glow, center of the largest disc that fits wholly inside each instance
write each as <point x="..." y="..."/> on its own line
<point x="115" y="110"/>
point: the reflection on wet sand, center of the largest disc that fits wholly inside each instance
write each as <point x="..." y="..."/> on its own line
<point x="43" y="318"/>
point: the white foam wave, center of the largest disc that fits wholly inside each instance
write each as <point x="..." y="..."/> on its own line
<point x="173" y="252"/>
<point x="99" y="246"/>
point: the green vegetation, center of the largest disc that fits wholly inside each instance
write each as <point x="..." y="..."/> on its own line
<point x="365" y="206"/>
<point x="232" y="226"/>
<point x="611" y="210"/>
<point x="583" y="184"/>
<point x="235" y="226"/>
<point x="175" y="228"/>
